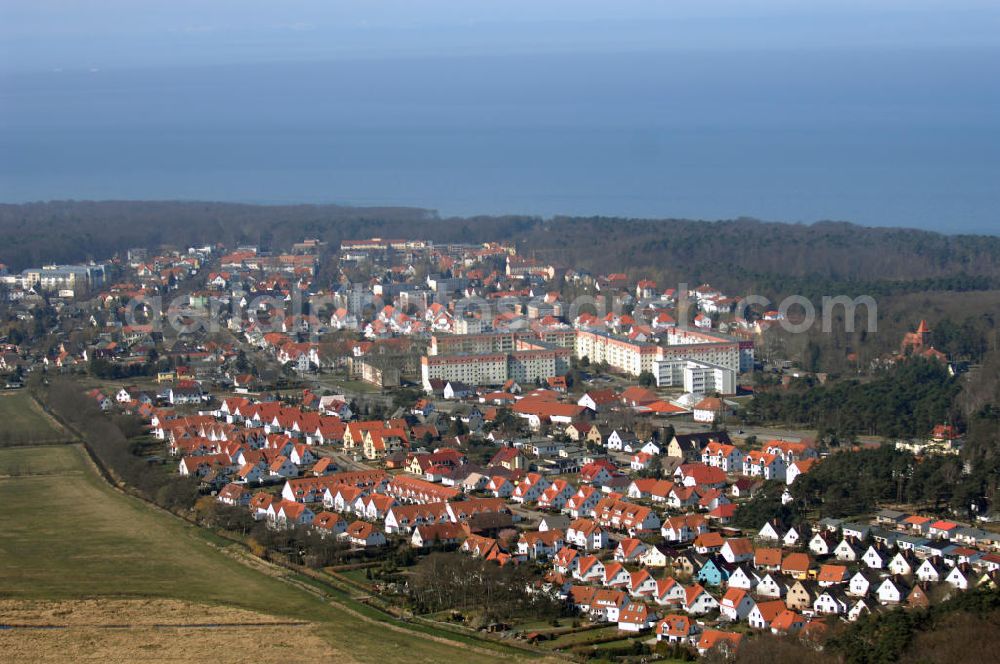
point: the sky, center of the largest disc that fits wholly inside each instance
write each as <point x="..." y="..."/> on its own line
<point x="885" y="112"/>
<point x="39" y="34"/>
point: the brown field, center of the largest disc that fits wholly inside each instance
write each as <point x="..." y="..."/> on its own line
<point x="154" y="630"/>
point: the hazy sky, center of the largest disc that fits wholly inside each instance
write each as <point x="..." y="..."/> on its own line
<point x="46" y="34"/>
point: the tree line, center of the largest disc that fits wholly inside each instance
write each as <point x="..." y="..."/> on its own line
<point x="906" y="400"/>
<point x="104" y="436"/>
<point x="668" y="249"/>
<point x="456" y="581"/>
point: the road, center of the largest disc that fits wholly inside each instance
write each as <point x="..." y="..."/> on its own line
<point x="762" y="433"/>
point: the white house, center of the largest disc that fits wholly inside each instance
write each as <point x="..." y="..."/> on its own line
<point x="736" y="604"/>
<point x="875" y="558"/>
<point x="846" y="551"/>
<point x="587" y="535"/>
<point x="743" y="578"/>
<point x="859" y="585"/>
<point x="830" y="603"/>
<point x="820" y="544"/>
<point x="530" y="488"/>
<point x="959" y="577"/>
<point x="770" y="586"/>
<point x="858" y="609"/>
<point x="697" y="601"/>
<point x="589" y="569"/>
<point x="623" y="441"/>
<point x="635" y="618"/>
<point x="900" y="564"/>
<point x="891" y="592"/>
<point x="928" y="572"/>
<point x="769" y="531"/>
<point x="669" y="592"/>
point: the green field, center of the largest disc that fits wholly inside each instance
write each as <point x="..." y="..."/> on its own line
<point x="22" y="421"/>
<point x="68" y="535"/>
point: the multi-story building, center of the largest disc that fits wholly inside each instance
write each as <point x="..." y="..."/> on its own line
<point x="478" y="369"/>
<point x="64" y="277"/>
<point x="473" y="344"/>
<point x="467" y="325"/>
<point x="695" y="376"/>
<point x="381" y="371"/>
<point x="632" y="357"/>
<point x="524" y="366"/>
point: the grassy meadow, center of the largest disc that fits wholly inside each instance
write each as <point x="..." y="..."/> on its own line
<point x="70" y="536"/>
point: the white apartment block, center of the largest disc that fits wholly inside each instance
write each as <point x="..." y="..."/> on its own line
<point x="466" y="325"/>
<point x="631" y="357"/>
<point x="472" y="344"/>
<point x="523" y="366"/>
<point x="695" y="376"/>
<point x="469" y="369"/>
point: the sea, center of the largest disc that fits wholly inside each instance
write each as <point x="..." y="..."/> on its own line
<point x="882" y="137"/>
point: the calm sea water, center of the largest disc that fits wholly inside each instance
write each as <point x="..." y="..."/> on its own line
<point x="879" y="137"/>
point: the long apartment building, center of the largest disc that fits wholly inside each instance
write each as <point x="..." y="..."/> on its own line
<point x="491" y="359"/>
<point x="635" y="357"/>
<point x="712" y="347"/>
<point x="632" y="357"/>
<point x="64" y="277"/>
<point x="473" y="344"/>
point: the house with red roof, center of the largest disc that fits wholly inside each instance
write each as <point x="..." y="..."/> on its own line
<point x="796" y="565"/>
<point x="677" y="629"/>
<point x="556" y="495"/>
<point x="797" y="468"/>
<point x="586" y="534"/>
<point x="364" y="534"/>
<point x="737" y="550"/>
<point x="727" y="458"/>
<point x="329" y="523"/>
<point x="234" y="494"/>
<point x="629" y="549"/>
<point x="589" y="569"/>
<point x="736" y="604"/>
<point x="636" y="617"/>
<point x="650" y="488"/>
<point x="288" y="514"/>
<point x="510" y="458"/>
<point x="758" y="463"/>
<point x="683" y="528"/>
<point x="764" y="613"/>
<point x="698" y="601"/>
<point x="607" y="604"/>
<point x="500" y="487"/>
<point x="712" y="640"/>
<point x="615" y="575"/>
<point x="711" y="409"/>
<point x="942" y="529"/>
<point x="787" y="622"/>
<point x="700" y="475"/>
<point x="437" y="534"/>
<point x="530" y="488"/>
<point x="710" y="542"/>
<point x="643" y="583"/>
<point x="566" y="560"/>
<point x="582" y="502"/>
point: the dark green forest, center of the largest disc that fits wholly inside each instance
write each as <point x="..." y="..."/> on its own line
<point x="906" y="400"/>
<point x="740" y="254"/>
